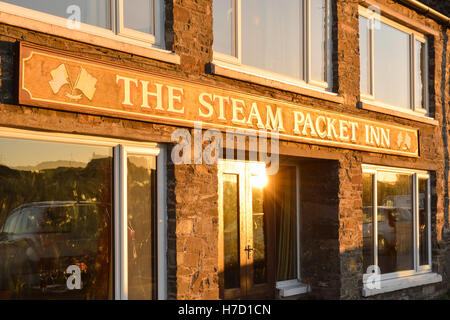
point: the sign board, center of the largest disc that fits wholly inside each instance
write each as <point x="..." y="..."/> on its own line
<point x="54" y="80"/>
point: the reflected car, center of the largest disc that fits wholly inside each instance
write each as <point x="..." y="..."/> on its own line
<point x="38" y="241"/>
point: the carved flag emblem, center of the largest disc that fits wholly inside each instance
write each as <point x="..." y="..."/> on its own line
<point x="84" y="83"/>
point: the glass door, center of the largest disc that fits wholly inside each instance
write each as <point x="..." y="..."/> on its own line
<point x="244" y="271"/>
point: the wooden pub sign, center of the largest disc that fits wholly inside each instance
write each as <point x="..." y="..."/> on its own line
<point x="55" y="80"/>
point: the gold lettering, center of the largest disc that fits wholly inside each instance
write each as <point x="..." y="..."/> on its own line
<point x="299" y="119"/>
<point x="309" y="124"/>
<point x="343" y="130"/>
<point x="221" y="106"/>
<point x="331" y="128"/>
<point x="354" y="126"/>
<point x="237" y="109"/>
<point x="173" y="97"/>
<point x="127" y="89"/>
<point x="254" y="112"/>
<point x="274" y="122"/>
<point x="205" y="104"/>
<point x="146" y="93"/>
<point x="321" y="133"/>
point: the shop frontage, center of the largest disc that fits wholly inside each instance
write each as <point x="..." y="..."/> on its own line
<point x="157" y="161"/>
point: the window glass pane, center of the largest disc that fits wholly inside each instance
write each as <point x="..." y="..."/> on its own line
<point x="55" y="212"/>
<point x="223" y="27"/>
<point x="138" y="15"/>
<point x="142" y="244"/>
<point x="231" y="231"/>
<point x="285" y="206"/>
<point x="420" y="74"/>
<point x="93" y="12"/>
<point x="368" y="239"/>
<point x="395" y="222"/>
<point x="318" y="39"/>
<point x="272" y="36"/>
<point x="364" y="57"/>
<point x="423" y="221"/>
<point x="259" y="238"/>
<point x="392" y="66"/>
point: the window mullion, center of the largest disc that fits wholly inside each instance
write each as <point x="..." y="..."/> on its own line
<point x="120" y="223"/>
<point x="412" y="45"/>
<point x="415" y="220"/>
<point x="307" y="39"/>
<point x="372" y="56"/>
<point x="238" y="30"/>
<point x="428" y="195"/>
<point x="375" y="220"/>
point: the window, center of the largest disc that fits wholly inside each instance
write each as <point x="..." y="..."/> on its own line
<point x="393" y="62"/>
<point x="287" y="40"/>
<point x="94" y="206"/>
<point x="140" y="20"/>
<point x="396" y="221"/>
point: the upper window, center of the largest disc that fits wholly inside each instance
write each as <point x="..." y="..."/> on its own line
<point x="396" y="221"/>
<point x="139" y="20"/>
<point x="393" y="63"/>
<point x="288" y="40"/>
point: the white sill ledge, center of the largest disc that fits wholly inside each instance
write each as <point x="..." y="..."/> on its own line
<point x="403" y="283"/>
<point x="291" y="288"/>
<point x="410" y="115"/>
<point x="224" y="70"/>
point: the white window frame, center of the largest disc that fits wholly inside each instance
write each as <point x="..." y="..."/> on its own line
<point x="415" y="175"/>
<point x="117" y="31"/>
<point x="370" y="97"/>
<point x="119" y="219"/>
<point x="234" y="62"/>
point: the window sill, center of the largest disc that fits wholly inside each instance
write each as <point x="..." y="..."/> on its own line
<point x="291" y="288"/>
<point x="229" y="72"/>
<point x="410" y="115"/>
<point x="403" y="283"/>
<point x="87" y="34"/>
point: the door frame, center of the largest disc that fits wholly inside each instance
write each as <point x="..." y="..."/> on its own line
<point x="244" y="170"/>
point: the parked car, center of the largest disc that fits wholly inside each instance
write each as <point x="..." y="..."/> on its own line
<point x="38" y="241"/>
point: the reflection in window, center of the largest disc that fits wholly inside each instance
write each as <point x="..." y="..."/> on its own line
<point x="364" y="54"/>
<point x="138" y="15"/>
<point x="272" y="36"/>
<point x="367" y="220"/>
<point x="142" y="249"/>
<point x="420" y="74"/>
<point x="224" y="21"/>
<point x="55" y="211"/>
<point x="395" y="222"/>
<point x="395" y="62"/>
<point x="93" y="12"/>
<point x="392" y="66"/>
<point x="423" y="222"/>
<point x="401" y="200"/>
<point x="231" y="231"/>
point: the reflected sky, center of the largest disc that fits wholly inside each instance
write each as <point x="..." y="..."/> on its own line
<point x="94" y="12"/>
<point x="22" y="153"/>
<point x="392" y="66"/>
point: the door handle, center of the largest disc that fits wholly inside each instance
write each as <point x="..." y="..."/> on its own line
<point x="248" y="249"/>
